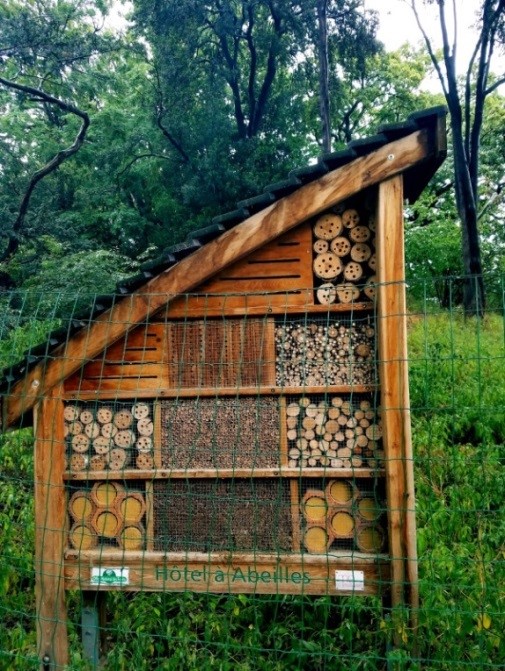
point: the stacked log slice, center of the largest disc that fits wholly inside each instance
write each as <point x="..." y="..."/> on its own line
<point x="333" y="433"/>
<point x="109" y="437"/>
<point x="343" y="253"/>
<point x="322" y="354"/>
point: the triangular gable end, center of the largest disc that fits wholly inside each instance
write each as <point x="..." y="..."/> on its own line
<point x="416" y="155"/>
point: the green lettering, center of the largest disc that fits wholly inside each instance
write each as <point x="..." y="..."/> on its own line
<point x="161" y="573"/>
<point x="266" y="577"/>
<point x="195" y="575"/>
<point x="306" y="578"/>
<point x="219" y="576"/>
<point x="238" y="575"/>
<point x="296" y="578"/>
<point x="252" y="576"/>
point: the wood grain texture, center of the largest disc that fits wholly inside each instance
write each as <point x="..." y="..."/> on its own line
<point x="50" y="530"/>
<point x="234" y="245"/>
<point x="227" y="573"/>
<point x="393" y="364"/>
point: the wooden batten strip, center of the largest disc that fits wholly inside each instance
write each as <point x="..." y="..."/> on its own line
<point x="231" y="246"/>
<point x="393" y="363"/>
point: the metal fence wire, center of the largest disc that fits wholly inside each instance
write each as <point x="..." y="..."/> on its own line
<point x="214" y="488"/>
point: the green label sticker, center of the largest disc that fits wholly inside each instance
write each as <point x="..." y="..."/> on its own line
<point x="110" y="576"/>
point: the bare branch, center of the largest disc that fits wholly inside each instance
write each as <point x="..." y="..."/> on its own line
<point x="48" y="168"/>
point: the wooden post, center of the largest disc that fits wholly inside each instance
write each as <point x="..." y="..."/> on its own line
<point x="393" y="367"/>
<point x="50" y="530"/>
<point x="92" y="620"/>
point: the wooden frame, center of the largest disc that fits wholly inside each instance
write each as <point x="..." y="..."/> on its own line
<point x="154" y="308"/>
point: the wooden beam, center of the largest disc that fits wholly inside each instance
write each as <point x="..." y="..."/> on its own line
<point x="393" y="368"/>
<point x="50" y="530"/>
<point x="235" y="244"/>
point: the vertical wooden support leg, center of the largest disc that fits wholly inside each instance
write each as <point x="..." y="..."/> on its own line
<point x="92" y="619"/>
<point x="50" y="529"/>
<point x="395" y="401"/>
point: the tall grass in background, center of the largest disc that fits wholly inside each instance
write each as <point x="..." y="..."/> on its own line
<point x="457" y="382"/>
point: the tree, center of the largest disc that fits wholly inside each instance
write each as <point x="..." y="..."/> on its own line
<point x="466" y="105"/>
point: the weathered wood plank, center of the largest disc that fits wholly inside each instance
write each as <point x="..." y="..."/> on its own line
<point x="50" y="531"/>
<point x="233" y="245"/>
<point x="220" y="573"/>
<point x="198" y="473"/>
<point x="393" y="375"/>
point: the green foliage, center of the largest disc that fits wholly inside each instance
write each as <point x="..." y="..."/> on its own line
<point x="458" y="401"/>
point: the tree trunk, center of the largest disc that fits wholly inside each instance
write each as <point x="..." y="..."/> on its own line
<point x="324" y="94"/>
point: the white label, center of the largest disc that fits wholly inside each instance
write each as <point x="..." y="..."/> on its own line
<point x="350" y="581"/>
<point x="112" y="576"/>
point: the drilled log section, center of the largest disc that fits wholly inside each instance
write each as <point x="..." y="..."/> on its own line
<point x="344" y="514"/>
<point x="316" y="353"/>
<point x="131" y="537"/>
<point x="371" y="538"/>
<point x="314" y="506"/>
<point x="334" y="433"/>
<point x="82" y="537"/>
<point x="341" y="523"/>
<point x="80" y="506"/>
<point x="109" y="513"/>
<point x="316" y="539"/>
<point x="343" y="248"/>
<point x="109" y="436"/>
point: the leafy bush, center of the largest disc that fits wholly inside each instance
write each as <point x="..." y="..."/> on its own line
<point x="458" y="401"/>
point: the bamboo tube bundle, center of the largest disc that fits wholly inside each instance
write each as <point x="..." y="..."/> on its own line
<point x="82" y="537"/>
<point x="332" y="433"/>
<point x="369" y="509"/>
<point x="318" y="354"/>
<point x="343" y="250"/>
<point x="80" y="506"/>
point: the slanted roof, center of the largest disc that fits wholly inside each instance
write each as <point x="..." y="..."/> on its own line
<point x="414" y="148"/>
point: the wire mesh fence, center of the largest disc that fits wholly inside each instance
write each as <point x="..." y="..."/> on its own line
<point x="256" y="434"/>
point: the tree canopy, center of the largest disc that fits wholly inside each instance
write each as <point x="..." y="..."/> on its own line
<point x="115" y="145"/>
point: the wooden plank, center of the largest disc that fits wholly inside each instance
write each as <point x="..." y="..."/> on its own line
<point x="255" y="232"/>
<point x="392" y="364"/>
<point x="198" y="473"/>
<point x="278" y="303"/>
<point x="86" y="393"/>
<point x="222" y="573"/>
<point x="149" y="516"/>
<point x="50" y="531"/>
<point x="294" y="488"/>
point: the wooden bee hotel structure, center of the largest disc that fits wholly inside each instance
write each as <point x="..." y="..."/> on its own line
<point x="236" y="418"/>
